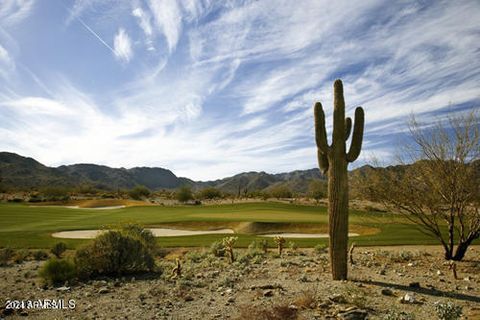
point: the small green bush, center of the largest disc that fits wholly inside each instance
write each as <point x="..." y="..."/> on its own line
<point x="398" y="315"/>
<point x="20" y="256"/>
<point x="58" y="249"/>
<point x="5" y="255"/>
<point x="139" y="192"/>
<point x="448" y="310"/>
<point x="184" y="194"/>
<point x="40" y="255"/>
<point x="129" y="249"/>
<point x="320" y="248"/>
<point x="57" y="271"/>
<point x="210" y="193"/>
<point x="217" y="249"/>
<point x="292" y="246"/>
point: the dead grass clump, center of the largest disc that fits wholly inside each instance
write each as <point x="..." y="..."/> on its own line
<point x="306" y="300"/>
<point x="274" y="312"/>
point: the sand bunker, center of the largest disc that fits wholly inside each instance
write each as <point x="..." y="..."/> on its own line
<point x="303" y="235"/>
<point x="157" y="232"/>
<point x="163" y="232"/>
<point x="78" y="207"/>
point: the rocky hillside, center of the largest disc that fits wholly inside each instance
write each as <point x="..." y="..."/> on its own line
<point x="26" y="173"/>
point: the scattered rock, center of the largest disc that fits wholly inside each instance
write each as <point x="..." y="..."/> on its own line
<point x="188" y="298"/>
<point x="103" y="290"/>
<point x="325" y="304"/>
<point x="439" y="273"/>
<point x="337" y="297"/>
<point x="63" y="289"/>
<point x="231" y="300"/>
<point x="409" y="298"/>
<point x="353" y="314"/>
<point x="387" y="292"/>
<point x="268" y="293"/>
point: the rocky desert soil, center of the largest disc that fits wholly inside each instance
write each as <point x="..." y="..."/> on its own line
<point x="384" y="283"/>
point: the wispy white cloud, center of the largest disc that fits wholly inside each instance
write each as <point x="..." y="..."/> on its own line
<point x="231" y="85"/>
<point x="13" y="12"/>
<point x="168" y="18"/>
<point x="144" y="21"/>
<point x="122" y="46"/>
<point x="6" y="62"/>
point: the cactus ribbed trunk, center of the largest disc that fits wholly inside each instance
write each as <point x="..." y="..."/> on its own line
<point x="338" y="217"/>
<point x="334" y="159"/>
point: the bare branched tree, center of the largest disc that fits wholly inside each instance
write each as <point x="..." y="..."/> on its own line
<point x="439" y="189"/>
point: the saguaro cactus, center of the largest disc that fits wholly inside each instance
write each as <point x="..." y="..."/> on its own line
<point x="334" y="159"/>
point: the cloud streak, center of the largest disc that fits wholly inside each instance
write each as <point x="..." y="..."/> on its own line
<point x="122" y="46"/>
<point x="213" y="88"/>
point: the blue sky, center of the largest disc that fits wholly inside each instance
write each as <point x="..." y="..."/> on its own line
<point x="209" y="89"/>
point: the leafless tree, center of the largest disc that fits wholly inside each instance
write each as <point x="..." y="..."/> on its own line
<point x="439" y="189"/>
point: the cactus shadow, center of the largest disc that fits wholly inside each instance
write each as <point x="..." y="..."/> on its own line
<point x="421" y="290"/>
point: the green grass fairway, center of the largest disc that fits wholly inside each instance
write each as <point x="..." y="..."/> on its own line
<point x="23" y="226"/>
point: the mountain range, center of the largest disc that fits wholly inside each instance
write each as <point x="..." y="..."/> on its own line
<point x="23" y="173"/>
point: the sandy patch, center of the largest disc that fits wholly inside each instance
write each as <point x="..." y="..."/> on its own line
<point x="157" y="232"/>
<point x="78" y="207"/>
<point x="303" y="235"/>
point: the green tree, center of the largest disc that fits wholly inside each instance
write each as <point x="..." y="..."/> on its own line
<point x="139" y="192"/>
<point x="210" y="193"/>
<point x="184" y="194"/>
<point x="281" y="191"/>
<point x="317" y="189"/>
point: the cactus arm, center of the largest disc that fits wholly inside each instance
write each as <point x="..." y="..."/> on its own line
<point x="320" y="130"/>
<point x="357" y="136"/>
<point x="338" y="136"/>
<point x="348" y="127"/>
<point x="322" y="161"/>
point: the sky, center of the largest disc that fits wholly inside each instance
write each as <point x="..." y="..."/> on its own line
<point x="209" y="89"/>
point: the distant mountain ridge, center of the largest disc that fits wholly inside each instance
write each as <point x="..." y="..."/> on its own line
<point x="26" y="173"/>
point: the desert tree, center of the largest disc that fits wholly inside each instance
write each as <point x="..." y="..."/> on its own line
<point x="184" y="194"/>
<point x="317" y="189"/>
<point x="437" y="185"/>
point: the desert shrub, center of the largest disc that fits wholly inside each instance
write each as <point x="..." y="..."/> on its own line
<point x="20" y="256"/>
<point x="138" y="192"/>
<point x="40" y="255"/>
<point x="217" y="249"/>
<point x="195" y="256"/>
<point x="227" y="281"/>
<point x="320" y="248"/>
<point x="55" y="194"/>
<point x="398" y="315"/>
<point x="448" y="310"/>
<point x="57" y="271"/>
<point x="129" y="249"/>
<point x="307" y="299"/>
<point x="275" y="312"/>
<point x="403" y="256"/>
<point x="292" y="246"/>
<point x="280" y="192"/>
<point x="184" y="194"/>
<point x="5" y="255"/>
<point x="317" y="189"/>
<point x="35" y="198"/>
<point x="58" y="249"/>
<point x="210" y="193"/>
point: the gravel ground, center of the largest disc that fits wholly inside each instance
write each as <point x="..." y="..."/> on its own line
<point x="294" y="286"/>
